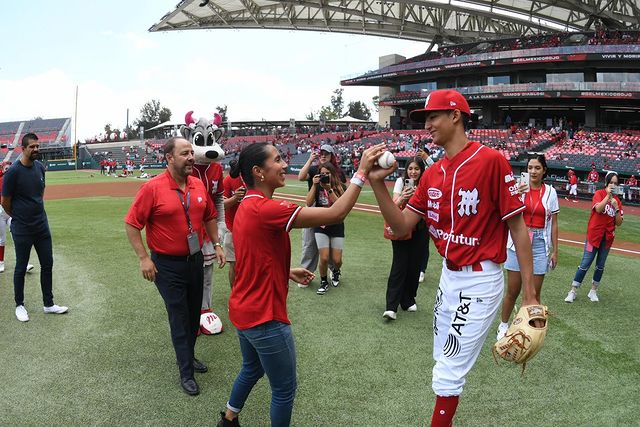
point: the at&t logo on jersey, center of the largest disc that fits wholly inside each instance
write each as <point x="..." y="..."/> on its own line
<point x="469" y="203"/>
<point x="433" y="205"/>
<point x="434" y="193"/>
<point x="509" y="178"/>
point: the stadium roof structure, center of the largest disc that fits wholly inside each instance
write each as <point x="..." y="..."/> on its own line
<point x="435" y="21"/>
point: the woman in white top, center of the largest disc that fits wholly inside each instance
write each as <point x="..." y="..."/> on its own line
<point x="541" y="218"/>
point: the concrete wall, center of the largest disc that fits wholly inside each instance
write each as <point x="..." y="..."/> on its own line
<point x="385" y="113"/>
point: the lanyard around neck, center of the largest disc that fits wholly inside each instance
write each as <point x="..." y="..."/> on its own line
<point x="185" y="206"/>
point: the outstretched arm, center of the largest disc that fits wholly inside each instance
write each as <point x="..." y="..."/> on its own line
<point x="316" y="217"/>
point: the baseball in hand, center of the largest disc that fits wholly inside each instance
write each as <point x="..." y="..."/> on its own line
<point x="386" y="160"/>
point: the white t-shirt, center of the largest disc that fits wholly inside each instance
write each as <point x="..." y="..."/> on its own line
<point x="399" y="185"/>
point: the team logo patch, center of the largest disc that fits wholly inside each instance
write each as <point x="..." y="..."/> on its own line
<point x="469" y="203"/>
<point x="452" y="103"/>
<point x="199" y="199"/>
<point x="451" y="347"/>
<point x="434" y="193"/>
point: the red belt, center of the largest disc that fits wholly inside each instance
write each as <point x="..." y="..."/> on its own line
<point x="476" y="266"/>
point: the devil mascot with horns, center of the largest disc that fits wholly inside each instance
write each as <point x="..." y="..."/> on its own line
<point x="204" y="135"/>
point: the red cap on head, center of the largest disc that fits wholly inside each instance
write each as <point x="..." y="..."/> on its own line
<point x="441" y="100"/>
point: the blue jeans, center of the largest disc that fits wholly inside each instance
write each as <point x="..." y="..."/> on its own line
<point x="600" y="254"/>
<point x="267" y="348"/>
<point x="44" y="248"/>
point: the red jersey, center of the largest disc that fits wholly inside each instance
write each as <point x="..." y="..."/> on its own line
<point x="263" y="258"/>
<point x="534" y="213"/>
<point x="465" y="201"/>
<point x="573" y="179"/>
<point x="211" y="175"/>
<point x="593" y="176"/>
<point x="632" y="182"/>
<point x="230" y="185"/>
<point x="602" y="224"/>
<point x="157" y="207"/>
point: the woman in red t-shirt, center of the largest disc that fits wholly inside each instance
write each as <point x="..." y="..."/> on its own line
<point x="258" y="301"/>
<point x="606" y="215"/>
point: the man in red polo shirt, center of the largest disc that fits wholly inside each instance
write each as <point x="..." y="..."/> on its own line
<point x="176" y="210"/>
<point x="469" y="200"/>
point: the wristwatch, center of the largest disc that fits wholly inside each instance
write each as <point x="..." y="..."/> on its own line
<point x="217" y="244"/>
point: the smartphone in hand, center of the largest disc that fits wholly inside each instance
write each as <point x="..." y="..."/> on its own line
<point x="524" y="178"/>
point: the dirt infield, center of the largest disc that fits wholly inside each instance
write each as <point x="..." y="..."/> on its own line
<point x="129" y="188"/>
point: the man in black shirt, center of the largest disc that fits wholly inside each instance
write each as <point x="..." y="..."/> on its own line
<point x="22" y="192"/>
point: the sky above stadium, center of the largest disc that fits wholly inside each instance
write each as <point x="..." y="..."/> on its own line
<point x="104" y="48"/>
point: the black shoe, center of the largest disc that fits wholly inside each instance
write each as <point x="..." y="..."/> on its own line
<point x="324" y="287"/>
<point x="226" y="423"/>
<point x="190" y="386"/>
<point x="199" y="367"/>
<point x="335" y="278"/>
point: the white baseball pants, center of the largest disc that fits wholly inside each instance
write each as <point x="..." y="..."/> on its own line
<point x="466" y="304"/>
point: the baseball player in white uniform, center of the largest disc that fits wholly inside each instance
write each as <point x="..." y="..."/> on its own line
<point x="469" y="200"/>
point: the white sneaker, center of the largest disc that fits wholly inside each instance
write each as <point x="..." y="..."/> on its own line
<point x="421" y="279"/>
<point x="502" y="330"/>
<point x="30" y="268"/>
<point x="56" y="309"/>
<point x="21" y="313"/>
<point x="301" y="285"/>
<point x="413" y="308"/>
<point x="593" y="296"/>
<point x="571" y="296"/>
<point x="391" y="315"/>
<point x="1" y="266"/>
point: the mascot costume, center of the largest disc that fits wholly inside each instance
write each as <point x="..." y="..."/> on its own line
<point x="204" y="135"/>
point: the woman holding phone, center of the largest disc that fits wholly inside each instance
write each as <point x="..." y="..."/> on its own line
<point x="409" y="252"/>
<point x="606" y="215"/>
<point x="324" y="192"/>
<point x="541" y="218"/>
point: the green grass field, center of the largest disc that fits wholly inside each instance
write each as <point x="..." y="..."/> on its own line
<point x="110" y="360"/>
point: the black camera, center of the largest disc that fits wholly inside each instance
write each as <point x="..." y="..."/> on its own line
<point x="325" y="179"/>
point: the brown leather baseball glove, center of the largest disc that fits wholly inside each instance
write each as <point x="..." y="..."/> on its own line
<point x="523" y="340"/>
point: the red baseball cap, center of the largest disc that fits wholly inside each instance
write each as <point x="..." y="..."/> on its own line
<point x="441" y="100"/>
